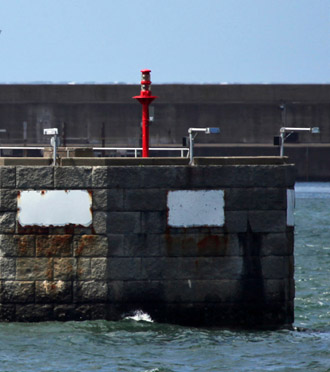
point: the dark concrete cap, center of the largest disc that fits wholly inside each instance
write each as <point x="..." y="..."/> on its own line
<point x="25" y="161"/>
<point x="85" y="161"/>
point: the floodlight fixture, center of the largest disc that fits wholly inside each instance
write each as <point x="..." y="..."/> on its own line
<point x="285" y="132"/>
<point x="192" y="135"/>
<point x="50" y="131"/>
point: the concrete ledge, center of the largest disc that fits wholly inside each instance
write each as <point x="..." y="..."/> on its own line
<point x="89" y="161"/>
<point x="25" y="161"/>
<point x="80" y="161"/>
<point x="241" y="160"/>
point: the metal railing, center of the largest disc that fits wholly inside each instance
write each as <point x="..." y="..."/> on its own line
<point x="136" y="150"/>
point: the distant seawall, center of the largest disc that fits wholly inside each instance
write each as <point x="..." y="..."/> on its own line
<point x="203" y="245"/>
<point x="249" y="116"/>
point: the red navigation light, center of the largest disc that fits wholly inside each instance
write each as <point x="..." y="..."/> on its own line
<point x="145" y="98"/>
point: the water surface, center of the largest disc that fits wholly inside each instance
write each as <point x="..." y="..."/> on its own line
<point x="139" y="345"/>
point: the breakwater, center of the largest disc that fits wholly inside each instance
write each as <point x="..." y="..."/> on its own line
<point x="205" y="245"/>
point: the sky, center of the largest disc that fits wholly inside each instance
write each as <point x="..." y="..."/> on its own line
<point x="181" y="41"/>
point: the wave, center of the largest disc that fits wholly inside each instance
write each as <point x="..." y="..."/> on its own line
<point x="139" y="316"/>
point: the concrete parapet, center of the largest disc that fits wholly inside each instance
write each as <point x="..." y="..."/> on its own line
<point x="141" y="251"/>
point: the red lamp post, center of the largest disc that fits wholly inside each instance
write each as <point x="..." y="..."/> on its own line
<point x="145" y="98"/>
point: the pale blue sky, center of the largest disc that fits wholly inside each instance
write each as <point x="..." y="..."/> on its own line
<point x="181" y="41"/>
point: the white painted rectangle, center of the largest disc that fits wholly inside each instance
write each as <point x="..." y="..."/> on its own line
<point x="188" y="208"/>
<point x="54" y="208"/>
<point x="290" y="205"/>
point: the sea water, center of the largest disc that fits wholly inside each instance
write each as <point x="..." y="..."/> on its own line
<point x="137" y="344"/>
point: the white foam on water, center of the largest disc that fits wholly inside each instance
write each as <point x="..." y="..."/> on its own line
<point x="139" y="316"/>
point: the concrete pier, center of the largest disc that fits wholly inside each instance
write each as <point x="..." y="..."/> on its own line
<point x="203" y="245"/>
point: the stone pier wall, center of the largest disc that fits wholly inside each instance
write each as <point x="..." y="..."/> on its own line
<point x="146" y="250"/>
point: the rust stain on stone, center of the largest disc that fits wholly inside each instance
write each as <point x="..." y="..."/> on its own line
<point x="32" y="229"/>
<point x="49" y="272"/>
<point x="213" y="244"/>
<point x="54" y="245"/>
<point x="24" y="245"/>
<point x="84" y="241"/>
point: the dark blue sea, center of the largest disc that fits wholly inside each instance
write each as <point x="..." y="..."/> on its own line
<point x="140" y="345"/>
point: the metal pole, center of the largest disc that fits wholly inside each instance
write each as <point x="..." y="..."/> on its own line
<point x="191" y="148"/>
<point x="53" y="142"/>
<point x="282" y="143"/>
<point x="54" y="149"/>
<point x="145" y="129"/>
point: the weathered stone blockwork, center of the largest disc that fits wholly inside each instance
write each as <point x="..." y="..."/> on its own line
<point x="238" y="275"/>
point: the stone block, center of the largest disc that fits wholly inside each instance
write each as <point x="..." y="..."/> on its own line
<point x="269" y="198"/>
<point x="90" y="291"/>
<point x="117" y="177"/>
<point x="116" y="245"/>
<point x="64" y="268"/>
<point x="206" y="291"/>
<point x="292" y="289"/>
<point x="57" y="291"/>
<point x="65" y="312"/>
<point x="91" y="311"/>
<point x="153" y="222"/>
<point x="142" y="245"/>
<point x="276" y="267"/>
<point x="34" y="269"/>
<point x="8" y="177"/>
<point x="272" y="176"/>
<point x="7" y="312"/>
<point x="99" y="267"/>
<point x="124" y="222"/>
<point x="7" y="222"/>
<point x="236" y="221"/>
<point x="218" y="176"/>
<point x="145" y="200"/>
<point x="7" y="268"/>
<point x="161" y="268"/>
<point x="116" y="290"/>
<point x="16" y="245"/>
<point x="25" y="245"/>
<point x="34" y="312"/>
<point x="277" y="244"/>
<point x="100" y="222"/>
<point x="105" y="199"/>
<point x="73" y="177"/>
<point x="83" y="268"/>
<point x="91" y="246"/>
<point x="223" y="176"/>
<point x="17" y="292"/>
<point x="166" y="177"/>
<point x="54" y="245"/>
<point x="193" y="268"/>
<point x="8" y="200"/>
<point x="151" y="291"/>
<point x="277" y="290"/>
<point x="202" y="268"/>
<point x="267" y="221"/>
<point x="37" y="178"/>
<point x="124" y="268"/>
<point x="201" y="245"/>
<point x="100" y="177"/>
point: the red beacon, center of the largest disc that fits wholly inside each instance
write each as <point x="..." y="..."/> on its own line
<point x="145" y="98"/>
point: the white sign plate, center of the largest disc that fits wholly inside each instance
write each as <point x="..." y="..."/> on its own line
<point x="188" y="208"/>
<point x="54" y="208"/>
